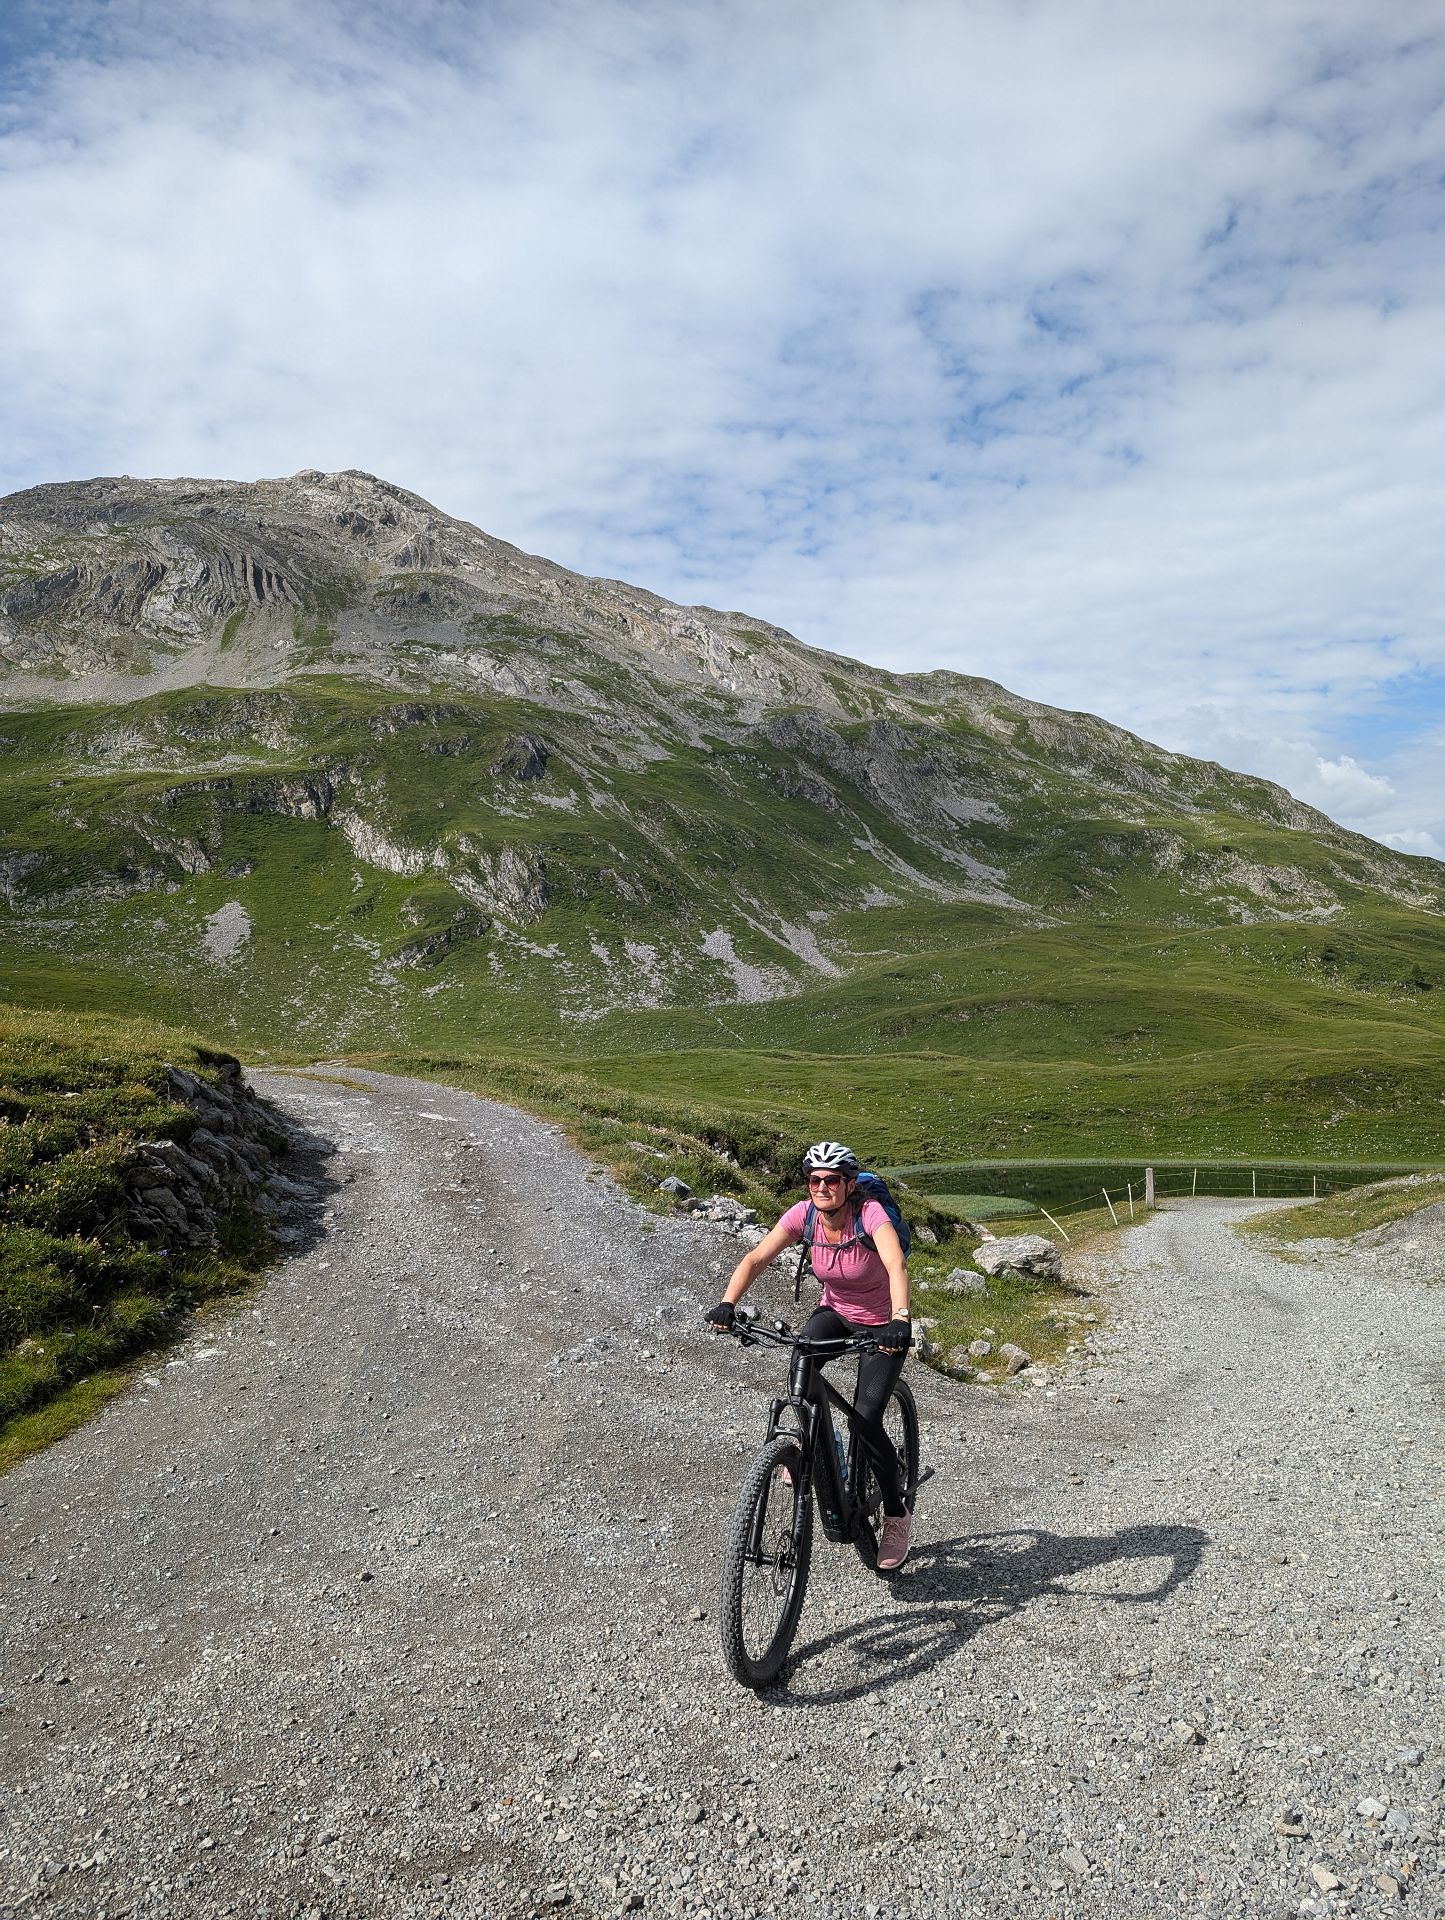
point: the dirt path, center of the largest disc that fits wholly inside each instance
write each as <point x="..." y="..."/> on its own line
<point x="381" y="1597"/>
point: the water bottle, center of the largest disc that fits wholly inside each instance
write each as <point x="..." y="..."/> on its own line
<point x="842" y="1458"/>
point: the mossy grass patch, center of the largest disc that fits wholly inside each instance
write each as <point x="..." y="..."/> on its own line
<point x="1343" y="1215"/>
<point x="985" y="1206"/>
<point x="1041" y="1316"/>
<point x="80" y="1295"/>
<point x="68" y="1408"/>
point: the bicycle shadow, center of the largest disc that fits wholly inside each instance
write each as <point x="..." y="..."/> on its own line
<point x="956" y="1588"/>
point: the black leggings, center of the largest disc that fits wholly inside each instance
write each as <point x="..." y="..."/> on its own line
<point x="877" y="1376"/>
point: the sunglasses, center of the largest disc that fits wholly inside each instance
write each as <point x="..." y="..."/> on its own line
<point x="826" y="1179"/>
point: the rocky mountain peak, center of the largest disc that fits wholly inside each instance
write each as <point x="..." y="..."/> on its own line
<point x="185" y="581"/>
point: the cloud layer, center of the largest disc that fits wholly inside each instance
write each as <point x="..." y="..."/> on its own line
<point x="1097" y="348"/>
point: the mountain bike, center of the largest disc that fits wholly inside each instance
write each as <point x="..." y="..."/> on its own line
<point x="770" y="1543"/>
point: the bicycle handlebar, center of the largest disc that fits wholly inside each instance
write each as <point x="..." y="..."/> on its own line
<point x="780" y="1334"/>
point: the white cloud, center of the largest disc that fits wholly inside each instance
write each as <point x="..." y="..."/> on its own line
<point x="1092" y="346"/>
<point x="1415" y="842"/>
<point x="1343" y="785"/>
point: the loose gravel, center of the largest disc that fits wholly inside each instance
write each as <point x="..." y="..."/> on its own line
<point x="392" y="1592"/>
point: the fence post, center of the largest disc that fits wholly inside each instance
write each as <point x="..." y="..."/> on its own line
<point x="1253" y="1184"/>
<point x="1054" y="1223"/>
<point x="1194" y="1184"/>
<point x="1314" y="1186"/>
<point x="1129" y="1189"/>
<point x="1148" y="1186"/>
<point x="1110" y="1205"/>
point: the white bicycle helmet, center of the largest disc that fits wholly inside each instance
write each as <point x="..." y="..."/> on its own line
<point x="830" y="1156"/>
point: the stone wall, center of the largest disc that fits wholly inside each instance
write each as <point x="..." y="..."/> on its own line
<point x="178" y="1194"/>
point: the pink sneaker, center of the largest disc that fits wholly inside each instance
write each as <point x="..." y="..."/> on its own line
<point x="893" y="1547"/>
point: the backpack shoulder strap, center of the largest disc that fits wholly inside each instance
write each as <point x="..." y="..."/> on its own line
<point x="863" y="1239"/>
<point x="805" y="1251"/>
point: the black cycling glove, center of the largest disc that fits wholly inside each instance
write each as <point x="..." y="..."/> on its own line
<point x="896" y="1337"/>
<point x="722" y="1315"/>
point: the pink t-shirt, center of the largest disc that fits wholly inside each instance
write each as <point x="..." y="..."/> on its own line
<point x="855" y="1280"/>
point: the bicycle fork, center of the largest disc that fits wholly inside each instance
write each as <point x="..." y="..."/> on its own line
<point x="813" y="1430"/>
<point x="802" y="1428"/>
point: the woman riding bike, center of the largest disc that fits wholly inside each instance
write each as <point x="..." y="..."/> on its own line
<point x="855" y="1253"/>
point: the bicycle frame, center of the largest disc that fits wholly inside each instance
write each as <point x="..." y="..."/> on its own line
<point x="841" y="1510"/>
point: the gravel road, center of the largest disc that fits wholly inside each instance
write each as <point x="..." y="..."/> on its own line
<point x="392" y="1591"/>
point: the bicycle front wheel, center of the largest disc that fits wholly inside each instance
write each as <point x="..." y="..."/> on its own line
<point x="900" y="1423"/>
<point x="765" y="1565"/>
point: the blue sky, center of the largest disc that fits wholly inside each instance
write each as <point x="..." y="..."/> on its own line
<point x="1096" y="348"/>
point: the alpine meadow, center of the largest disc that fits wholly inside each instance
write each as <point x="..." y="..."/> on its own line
<point x="311" y="769"/>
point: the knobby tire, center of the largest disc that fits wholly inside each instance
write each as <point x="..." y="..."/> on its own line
<point x="763" y="1588"/>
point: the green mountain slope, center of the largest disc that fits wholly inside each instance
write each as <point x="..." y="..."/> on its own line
<point x="313" y="767"/>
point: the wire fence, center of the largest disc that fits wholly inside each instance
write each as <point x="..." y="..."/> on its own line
<point x="1127" y="1192"/>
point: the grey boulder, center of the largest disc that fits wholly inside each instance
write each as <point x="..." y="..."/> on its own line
<point x="962" y="1281"/>
<point x="1026" y="1253"/>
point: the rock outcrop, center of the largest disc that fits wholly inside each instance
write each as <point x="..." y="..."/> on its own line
<point x="524" y="757"/>
<point x="181" y="1194"/>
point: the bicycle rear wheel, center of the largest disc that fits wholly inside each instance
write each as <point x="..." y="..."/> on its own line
<point x="765" y="1565"/>
<point x="900" y="1423"/>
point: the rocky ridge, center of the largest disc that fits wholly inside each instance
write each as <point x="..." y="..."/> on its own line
<point x="184" y="583"/>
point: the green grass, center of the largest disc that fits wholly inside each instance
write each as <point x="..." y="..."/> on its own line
<point x="69" y="1408"/>
<point x="983" y="1206"/>
<point x="1041" y="1318"/>
<point x="1131" y="1015"/>
<point x="79" y="1294"/>
<point x="1343" y="1215"/>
